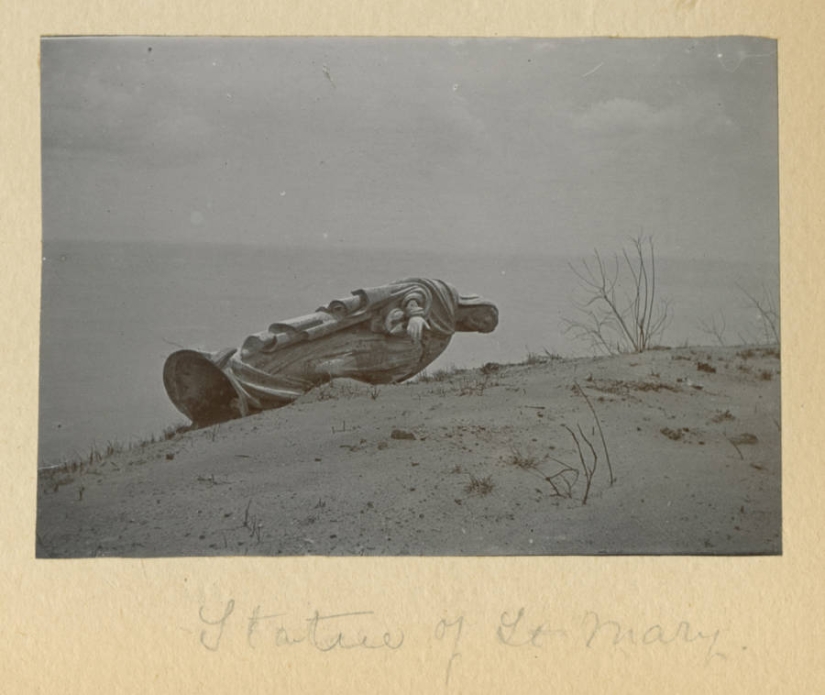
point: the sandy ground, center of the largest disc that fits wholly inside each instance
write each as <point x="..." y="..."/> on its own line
<point x="456" y="465"/>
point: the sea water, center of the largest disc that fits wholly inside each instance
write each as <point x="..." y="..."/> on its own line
<point x="113" y="311"/>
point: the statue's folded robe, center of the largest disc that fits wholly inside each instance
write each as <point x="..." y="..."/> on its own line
<point x="361" y="337"/>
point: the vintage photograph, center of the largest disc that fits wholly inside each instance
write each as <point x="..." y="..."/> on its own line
<point x="409" y="296"/>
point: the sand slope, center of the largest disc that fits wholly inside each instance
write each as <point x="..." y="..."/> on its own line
<point x="693" y="436"/>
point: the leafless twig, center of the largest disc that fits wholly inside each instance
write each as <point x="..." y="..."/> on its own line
<point x="631" y="322"/>
<point x="581" y="392"/>
<point x="588" y="470"/>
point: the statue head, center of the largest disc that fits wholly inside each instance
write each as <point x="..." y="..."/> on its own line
<point x="476" y="315"/>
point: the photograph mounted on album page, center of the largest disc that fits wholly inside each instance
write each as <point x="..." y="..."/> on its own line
<point x="474" y="351"/>
<point x="409" y="296"/>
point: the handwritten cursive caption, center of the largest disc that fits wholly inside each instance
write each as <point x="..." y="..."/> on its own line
<point x="514" y="629"/>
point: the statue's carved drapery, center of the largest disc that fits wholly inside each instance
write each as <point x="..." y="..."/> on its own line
<point x="378" y="335"/>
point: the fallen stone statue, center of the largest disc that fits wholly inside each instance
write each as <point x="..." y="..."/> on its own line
<point x="378" y="335"/>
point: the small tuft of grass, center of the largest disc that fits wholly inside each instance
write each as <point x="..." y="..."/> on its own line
<point x="479" y="487"/>
<point x="520" y="460"/>
<point x="540" y="357"/>
<point x="766" y="375"/>
<point x="675" y="435"/>
<point x="721" y="417"/>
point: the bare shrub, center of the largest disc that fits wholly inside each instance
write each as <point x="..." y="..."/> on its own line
<point x="767" y="309"/>
<point x="764" y="331"/>
<point x="563" y="481"/>
<point x="580" y="391"/>
<point x="589" y="469"/>
<point x="715" y="328"/>
<point x="620" y="311"/>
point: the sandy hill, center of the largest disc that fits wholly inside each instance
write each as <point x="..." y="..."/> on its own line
<point x="480" y="462"/>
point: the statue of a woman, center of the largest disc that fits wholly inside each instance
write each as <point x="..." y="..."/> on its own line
<point x="378" y="335"/>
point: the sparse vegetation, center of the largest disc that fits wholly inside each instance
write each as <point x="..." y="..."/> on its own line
<point x="715" y="328"/>
<point x="520" y="460"/>
<point x="765" y="330"/>
<point x="620" y="311"/>
<point x="326" y="392"/>
<point x="438" y="376"/>
<point x="473" y="387"/>
<point x="540" y="357"/>
<point x="675" y="435"/>
<point x="738" y="450"/>
<point x="722" y="417"/>
<point x="479" y="487"/>
<point x="82" y="464"/>
<point x="563" y="481"/>
<point x="589" y="469"/>
<point x="544" y="452"/>
<point x="252" y="523"/>
<point x="619" y="387"/>
<point x="744" y="438"/>
<point x="767" y="308"/>
<point x="581" y="392"/>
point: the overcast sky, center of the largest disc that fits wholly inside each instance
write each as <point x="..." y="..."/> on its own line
<point x="501" y="145"/>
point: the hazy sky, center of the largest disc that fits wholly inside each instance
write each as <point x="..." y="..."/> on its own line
<point x="500" y="145"/>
